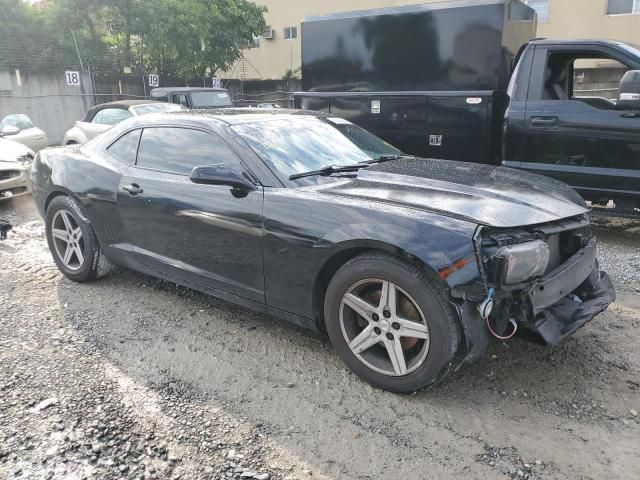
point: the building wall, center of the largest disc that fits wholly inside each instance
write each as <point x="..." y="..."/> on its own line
<point x="272" y="59"/>
<point x="571" y="19"/>
<point x="51" y="105"/>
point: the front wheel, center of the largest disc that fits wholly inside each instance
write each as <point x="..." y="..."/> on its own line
<point x="390" y="324"/>
<point x="72" y="241"/>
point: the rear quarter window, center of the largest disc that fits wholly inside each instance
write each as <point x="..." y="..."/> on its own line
<point x="126" y="147"/>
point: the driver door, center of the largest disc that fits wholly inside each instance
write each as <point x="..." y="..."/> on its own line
<point x="575" y="133"/>
<point x="203" y="234"/>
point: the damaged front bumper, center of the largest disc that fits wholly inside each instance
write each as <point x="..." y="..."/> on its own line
<point x="570" y="296"/>
<point x="561" y="319"/>
<point x="552" y="308"/>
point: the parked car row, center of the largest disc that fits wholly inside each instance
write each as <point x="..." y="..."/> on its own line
<point x="20" y="140"/>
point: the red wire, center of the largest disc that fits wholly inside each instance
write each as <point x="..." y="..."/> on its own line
<point x="515" y="329"/>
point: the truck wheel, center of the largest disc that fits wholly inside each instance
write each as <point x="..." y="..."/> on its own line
<point x="390" y="324"/>
<point x="72" y="241"/>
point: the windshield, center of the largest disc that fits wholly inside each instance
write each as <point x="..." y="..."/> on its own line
<point x="632" y="49"/>
<point x="18" y="120"/>
<point x="210" y="99"/>
<point x="156" y="108"/>
<point x="298" y="144"/>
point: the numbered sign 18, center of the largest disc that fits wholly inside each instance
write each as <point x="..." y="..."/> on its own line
<point x="154" y="80"/>
<point x="216" y="83"/>
<point x="72" y="77"/>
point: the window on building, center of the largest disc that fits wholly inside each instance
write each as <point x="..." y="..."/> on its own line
<point x="623" y="7"/>
<point x="290" y="33"/>
<point x="541" y="7"/>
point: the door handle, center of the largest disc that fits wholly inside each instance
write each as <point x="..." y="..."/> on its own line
<point x="631" y="115"/>
<point x="544" y="121"/>
<point x="133" y="189"/>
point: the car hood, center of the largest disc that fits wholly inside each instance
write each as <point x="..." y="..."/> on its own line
<point x="483" y="194"/>
<point x="10" y="151"/>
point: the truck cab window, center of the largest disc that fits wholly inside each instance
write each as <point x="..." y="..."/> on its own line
<point x="597" y="78"/>
<point x="180" y="99"/>
<point x="588" y="77"/>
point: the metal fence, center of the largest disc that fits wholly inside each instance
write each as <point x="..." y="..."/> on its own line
<point x="54" y="103"/>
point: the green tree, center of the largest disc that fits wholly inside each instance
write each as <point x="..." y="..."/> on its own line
<point x="27" y="41"/>
<point x="191" y="39"/>
<point x="196" y="38"/>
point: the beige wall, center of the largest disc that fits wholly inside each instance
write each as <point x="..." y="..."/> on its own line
<point x="568" y="19"/>
<point x="588" y="19"/>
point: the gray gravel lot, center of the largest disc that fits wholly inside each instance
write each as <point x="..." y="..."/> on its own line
<point x="132" y="377"/>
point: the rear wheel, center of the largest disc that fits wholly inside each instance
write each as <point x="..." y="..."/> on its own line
<point x="390" y="324"/>
<point x="72" y="241"/>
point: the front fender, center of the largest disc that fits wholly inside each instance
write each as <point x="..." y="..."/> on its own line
<point x="446" y="253"/>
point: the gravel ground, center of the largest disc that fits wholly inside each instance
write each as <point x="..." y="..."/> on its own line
<point x="132" y="377"/>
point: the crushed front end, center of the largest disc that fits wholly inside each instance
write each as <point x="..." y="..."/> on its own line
<point x="542" y="281"/>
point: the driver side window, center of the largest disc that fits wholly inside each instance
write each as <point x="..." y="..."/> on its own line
<point x="179" y="150"/>
<point x="589" y="77"/>
<point x="180" y="99"/>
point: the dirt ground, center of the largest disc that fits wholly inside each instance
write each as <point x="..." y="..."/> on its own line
<point x="131" y="377"/>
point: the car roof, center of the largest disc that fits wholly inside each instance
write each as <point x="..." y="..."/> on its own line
<point x="588" y="41"/>
<point x="123" y="104"/>
<point x="187" y="89"/>
<point x="229" y="116"/>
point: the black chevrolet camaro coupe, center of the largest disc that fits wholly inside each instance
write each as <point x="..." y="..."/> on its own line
<point x="409" y="264"/>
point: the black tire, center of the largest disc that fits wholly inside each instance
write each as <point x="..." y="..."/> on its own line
<point x="440" y="316"/>
<point x="95" y="264"/>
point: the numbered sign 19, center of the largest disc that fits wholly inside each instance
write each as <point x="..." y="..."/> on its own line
<point x="154" y="80"/>
<point x="72" y="77"/>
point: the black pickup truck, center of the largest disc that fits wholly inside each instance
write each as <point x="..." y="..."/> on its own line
<point x="463" y="80"/>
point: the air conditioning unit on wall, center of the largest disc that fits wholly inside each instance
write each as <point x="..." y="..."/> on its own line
<point x="269" y="34"/>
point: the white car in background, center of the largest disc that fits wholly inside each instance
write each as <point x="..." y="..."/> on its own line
<point x="15" y="167"/>
<point x="19" y="128"/>
<point x="101" y="118"/>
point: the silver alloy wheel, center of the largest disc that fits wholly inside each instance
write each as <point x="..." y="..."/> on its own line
<point x="67" y="240"/>
<point x="384" y="327"/>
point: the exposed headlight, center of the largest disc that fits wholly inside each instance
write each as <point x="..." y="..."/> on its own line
<point x="524" y="261"/>
<point x="25" y="160"/>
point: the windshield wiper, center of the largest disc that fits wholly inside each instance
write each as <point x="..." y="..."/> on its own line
<point x="349" y="168"/>
<point x="386" y="158"/>
<point x="329" y="170"/>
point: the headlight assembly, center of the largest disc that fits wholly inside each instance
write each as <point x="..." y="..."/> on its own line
<point x="523" y="261"/>
<point x="25" y="160"/>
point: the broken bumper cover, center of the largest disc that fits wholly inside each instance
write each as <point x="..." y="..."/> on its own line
<point x="571" y="296"/>
<point x="14" y="182"/>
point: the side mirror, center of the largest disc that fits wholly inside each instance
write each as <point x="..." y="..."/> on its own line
<point x="221" y="174"/>
<point x="629" y="96"/>
<point x="9" y="130"/>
